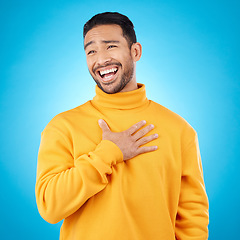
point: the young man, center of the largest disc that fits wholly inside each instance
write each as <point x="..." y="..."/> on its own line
<point x="120" y="166"/>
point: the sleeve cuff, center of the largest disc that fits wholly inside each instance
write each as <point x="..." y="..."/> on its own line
<point x="109" y="152"/>
<point x="105" y="156"/>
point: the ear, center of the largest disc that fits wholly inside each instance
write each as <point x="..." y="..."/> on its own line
<point x="136" y="51"/>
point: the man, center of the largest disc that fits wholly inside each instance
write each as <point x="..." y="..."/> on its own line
<point x="120" y="166"/>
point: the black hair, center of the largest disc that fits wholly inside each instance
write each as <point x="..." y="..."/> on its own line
<point x="113" y="18"/>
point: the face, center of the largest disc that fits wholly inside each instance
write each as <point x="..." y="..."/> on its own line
<point x="110" y="61"/>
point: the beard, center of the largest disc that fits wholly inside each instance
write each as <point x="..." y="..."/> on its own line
<point x="126" y="77"/>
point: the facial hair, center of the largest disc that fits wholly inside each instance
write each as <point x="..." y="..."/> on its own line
<point x="126" y="77"/>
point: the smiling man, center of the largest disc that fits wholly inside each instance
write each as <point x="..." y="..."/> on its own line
<point x="120" y="166"/>
<point x="111" y="62"/>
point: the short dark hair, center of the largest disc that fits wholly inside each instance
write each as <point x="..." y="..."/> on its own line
<point x="113" y="18"/>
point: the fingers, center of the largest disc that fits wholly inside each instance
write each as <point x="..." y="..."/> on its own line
<point x="103" y="125"/>
<point x="143" y="132"/>
<point x="147" y="139"/>
<point x="146" y="149"/>
<point x="136" y="127"/>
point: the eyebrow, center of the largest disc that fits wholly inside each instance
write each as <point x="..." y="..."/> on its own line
<point x="103" y="41"/>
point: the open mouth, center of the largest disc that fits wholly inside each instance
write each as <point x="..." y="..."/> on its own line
<point x="108" y="75"/>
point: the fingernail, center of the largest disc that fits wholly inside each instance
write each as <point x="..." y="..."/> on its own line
<point x="156" y="135"/>
<point x="151" y="125"/>
<point x="144" y="122"/>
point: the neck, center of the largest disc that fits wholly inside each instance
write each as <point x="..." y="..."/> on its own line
<point x="122" y="100"/>
<point x="131" y="86"/>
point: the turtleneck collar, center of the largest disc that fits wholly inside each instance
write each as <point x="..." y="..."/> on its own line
<point x="122" y="100"/>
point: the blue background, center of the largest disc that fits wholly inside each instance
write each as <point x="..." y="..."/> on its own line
<point x="190" y="64"/>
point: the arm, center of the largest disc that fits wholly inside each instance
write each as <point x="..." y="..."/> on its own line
<point x="64" y="184"/>
<point x="192" y="217"/>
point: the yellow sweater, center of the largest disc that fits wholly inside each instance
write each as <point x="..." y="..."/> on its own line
<point x="84" y="180"/>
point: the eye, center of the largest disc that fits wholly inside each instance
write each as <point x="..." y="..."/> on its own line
<point x="90" y="52"/>
<point x="111" y="46"/>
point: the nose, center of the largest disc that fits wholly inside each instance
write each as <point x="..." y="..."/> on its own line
<point x="103" y="57"/>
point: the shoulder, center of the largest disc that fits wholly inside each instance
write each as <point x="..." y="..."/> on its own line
<point x="171" y="120"/>
<point x="68" y="118"/>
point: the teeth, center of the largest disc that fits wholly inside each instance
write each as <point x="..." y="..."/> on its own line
<point x="108" y="71"/>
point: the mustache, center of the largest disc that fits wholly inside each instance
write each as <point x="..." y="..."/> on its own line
<point x="106" y="65"/>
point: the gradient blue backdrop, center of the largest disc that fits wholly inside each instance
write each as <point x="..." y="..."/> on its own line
<point x="190" y="64"/>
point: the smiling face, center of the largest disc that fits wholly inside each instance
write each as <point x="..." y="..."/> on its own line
<point x="110" y="61"/>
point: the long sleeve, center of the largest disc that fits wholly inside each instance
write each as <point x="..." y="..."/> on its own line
<point x="63" y="183"/>
<point x="192" y="217"/>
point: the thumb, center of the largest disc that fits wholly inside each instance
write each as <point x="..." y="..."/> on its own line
<point x="103" y="125"/>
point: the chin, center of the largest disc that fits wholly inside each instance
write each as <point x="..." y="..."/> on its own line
<point x="110" y="88"/>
